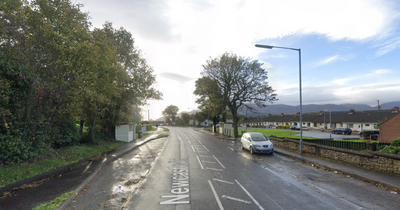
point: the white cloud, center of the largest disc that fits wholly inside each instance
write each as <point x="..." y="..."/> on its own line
<point x="388" y="47"/>
<point x="342" y="81"/>
<point x="328" y="60"/>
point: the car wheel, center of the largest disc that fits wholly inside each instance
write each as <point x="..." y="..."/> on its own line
<point x="251" y="150"/>
<point x="242" y="147"/>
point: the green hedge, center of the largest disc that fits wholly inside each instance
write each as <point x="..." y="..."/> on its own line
<point x="369" y="133"/>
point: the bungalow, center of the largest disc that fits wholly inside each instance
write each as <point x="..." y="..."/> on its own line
<point x="357" y="121"/>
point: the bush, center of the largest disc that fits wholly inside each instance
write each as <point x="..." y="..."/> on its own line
<point x="391" y="150"/>
<point x="369" y="133"/>
<point x="395" y="143"/>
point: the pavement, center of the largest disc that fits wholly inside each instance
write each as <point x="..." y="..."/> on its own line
<point x="380" y="179"/>
<point x="62" y="176"/>
<point x="74" y="177"/>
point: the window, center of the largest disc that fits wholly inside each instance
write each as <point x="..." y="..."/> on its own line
<point x="351" y="125"/>
<point x="375" y="126"/>
<point x="366" y="125"/>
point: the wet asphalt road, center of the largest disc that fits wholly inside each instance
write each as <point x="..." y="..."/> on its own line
<point x="196" y="171"/>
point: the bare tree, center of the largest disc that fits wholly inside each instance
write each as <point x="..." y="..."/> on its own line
<point x="241" y="81"/>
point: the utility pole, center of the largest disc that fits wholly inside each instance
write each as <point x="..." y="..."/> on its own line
<point x="379" y="106"/>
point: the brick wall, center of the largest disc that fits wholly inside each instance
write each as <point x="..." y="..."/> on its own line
<point x="390" y="129"/>
<point x="379" y="161"/>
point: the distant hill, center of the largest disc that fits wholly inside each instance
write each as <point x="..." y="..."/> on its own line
<point x="276" y="109"/>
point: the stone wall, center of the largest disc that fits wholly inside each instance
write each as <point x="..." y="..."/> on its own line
<point x="379" y="161"/>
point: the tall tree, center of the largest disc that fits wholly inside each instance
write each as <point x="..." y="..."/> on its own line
<point x="210" y="100"/>
<point x="240" y="81"/>
<point x="170" y="112"/>
<point x="185" y="118"/>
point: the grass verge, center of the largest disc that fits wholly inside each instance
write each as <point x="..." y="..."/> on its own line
<point x="14" y="173"/>
<point x="165" y="129"/>
<point x="162" y="135"/>
<point x="279" y="133"/>
<point x="54" y="203"/>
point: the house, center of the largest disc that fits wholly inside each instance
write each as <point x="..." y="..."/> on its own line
<point x="389" y="129"/>
<point x="357" y="121"/>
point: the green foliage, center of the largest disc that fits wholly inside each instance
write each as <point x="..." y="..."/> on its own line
<point x="395" y="143"/>
<point x="165" y="129"/>
<point x="170" y="112"/>
<point x="162" y="135"/>
<point x="54" y="70"/>
<point x="391" y="149"/>
<point x="54" y="203"/>
<point x="283" y="126"/>
<point x="149" y="127"/>
<point x="185" y="118"/>
<point x="369" y="133"/>
<point x="15" y="172"/>
<point x="279" y="133"/>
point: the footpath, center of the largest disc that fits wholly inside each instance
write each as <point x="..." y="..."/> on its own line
<point x="43" y="188"/>
<point x="380" y="179"/>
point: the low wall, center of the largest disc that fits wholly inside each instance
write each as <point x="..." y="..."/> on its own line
<point x="379" y="161"/>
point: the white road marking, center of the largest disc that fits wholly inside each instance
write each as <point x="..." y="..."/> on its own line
<point x="87" y="167"/>
<point x="206" y="148"/>
<point x="200" y="162"/>
<point x="205" y="161"/>
<point x="219" y="162"/>
<point x="236" y="199"/>
<point x="216" y="196"/>
<point x="219" y="180"/>
<point x="205" y="156"/>
<point x="214" y="169"/>
<point x="189" y="142"/>
<point x="252" y="198"/>
<point x="192" y="148"/>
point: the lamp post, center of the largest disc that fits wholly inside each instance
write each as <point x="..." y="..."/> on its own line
<point x="301" y="100"/>
<point x="330" y="123"/>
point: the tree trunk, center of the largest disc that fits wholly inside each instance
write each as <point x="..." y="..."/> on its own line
<point x="235" y="125"/>
<point x="81" y="127"/>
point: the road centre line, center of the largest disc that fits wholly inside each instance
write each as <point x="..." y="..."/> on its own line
<point x="235" y="199"/>
<point x="214" y="169"/>
<point x="200" y="162"/>
<point x="192" y="148"/>
<point x="252" y="198"/>
<point x="223" y="181"/>
<point x="216" y="196"/>
<point x="219" y="162"/>
<point x="189" y="142"/>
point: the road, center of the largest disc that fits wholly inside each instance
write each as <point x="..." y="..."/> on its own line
<point x="192" y="170"/>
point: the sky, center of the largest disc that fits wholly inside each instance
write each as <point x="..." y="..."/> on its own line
<point x="350" y="49"/>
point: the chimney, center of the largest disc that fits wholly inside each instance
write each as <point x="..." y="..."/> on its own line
<point x="269" y="115"/>
<point x="321" y="112"/>
<point x="298" y="114"/>
<point x="351" y="111"/>
<point x="395" y="109"/>
<point x="282" y="114"/>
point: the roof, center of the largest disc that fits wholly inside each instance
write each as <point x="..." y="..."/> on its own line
<point x="374" y="116"/>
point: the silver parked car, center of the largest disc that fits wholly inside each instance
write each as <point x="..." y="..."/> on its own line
<point x="256" y="142"/>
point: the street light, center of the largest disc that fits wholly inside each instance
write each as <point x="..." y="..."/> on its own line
<point x="330" y="123"/>
<point x="301" y="105"/>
